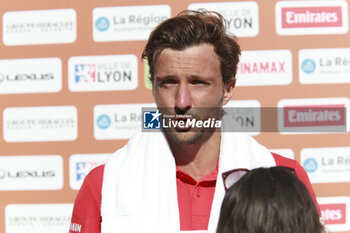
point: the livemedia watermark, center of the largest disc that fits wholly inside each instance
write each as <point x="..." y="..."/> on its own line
<point x="287" y="119"/>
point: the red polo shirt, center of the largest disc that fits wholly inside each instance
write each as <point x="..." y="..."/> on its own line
<point x="195" y="198"/>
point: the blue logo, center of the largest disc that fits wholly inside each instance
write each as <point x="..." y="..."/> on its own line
<point x="151" y="119"/>
<point x="308" y="66"/>
<point x="83" y="168"/>
<point x="103" y="121"/>
<point x="102" y="24"/>
<point x="85" y="73"/>
<point x="310" y="165"/>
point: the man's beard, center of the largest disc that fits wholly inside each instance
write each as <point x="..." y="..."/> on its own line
<point x="194" y="135"/>
<point x="199" y="135"/>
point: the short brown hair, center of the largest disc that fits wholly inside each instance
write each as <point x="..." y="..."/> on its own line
<point x="190" y="28"/>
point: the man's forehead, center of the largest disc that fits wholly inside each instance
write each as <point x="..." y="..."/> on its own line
<point x="191" y="57"/>
<point x="193" y="49"/>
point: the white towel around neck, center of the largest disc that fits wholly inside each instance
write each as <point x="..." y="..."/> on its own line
<point x="139" y="192"/>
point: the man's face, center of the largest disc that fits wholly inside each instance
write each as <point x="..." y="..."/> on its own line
<point x="184" y="83"/>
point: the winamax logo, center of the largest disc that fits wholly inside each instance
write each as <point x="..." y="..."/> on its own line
<point x="81" y="164"/>
<point x="128" y="22"/>
<point x="265" y="67"/>
<point x="29" y="172"/>
<point x="33" y="218"/>
<point x="323" y="66"/>
<point x="33" y="124"/>
<point x="326" y="115"/>
<point x="311" y="17"/>
<point x="39" y="27"/>
<point x="36" y="75"/>
<point x="103" y="73"/>
<point x="327" y="165"/>
<point x="335" y="213"/>
<point x="242" y="17"/>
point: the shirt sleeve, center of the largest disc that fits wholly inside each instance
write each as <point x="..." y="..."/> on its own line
<point x="300" y="172"/>
<point x="86" y="216"/>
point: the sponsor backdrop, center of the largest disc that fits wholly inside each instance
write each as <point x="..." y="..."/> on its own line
<point x="72" y="86"/>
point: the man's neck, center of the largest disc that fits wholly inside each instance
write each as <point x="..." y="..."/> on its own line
<point x="198" y="159"/>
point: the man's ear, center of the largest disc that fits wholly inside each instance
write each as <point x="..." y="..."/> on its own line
<point x="228" y="91"/>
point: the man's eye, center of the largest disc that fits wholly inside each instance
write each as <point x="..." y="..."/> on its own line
<point x="168" y="82"/>
<point x="198" y="82"/>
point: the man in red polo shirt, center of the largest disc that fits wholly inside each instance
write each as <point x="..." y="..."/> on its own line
<point x="170" y="181"/>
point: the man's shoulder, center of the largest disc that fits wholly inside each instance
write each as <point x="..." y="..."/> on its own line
<point x="97" y="171"/>
<point x="92" y="185"/>
<point x="86" y="213"/>
<point x="95" y="176"/>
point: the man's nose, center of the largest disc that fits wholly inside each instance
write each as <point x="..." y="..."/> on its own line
<point x="183" y="98"/>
